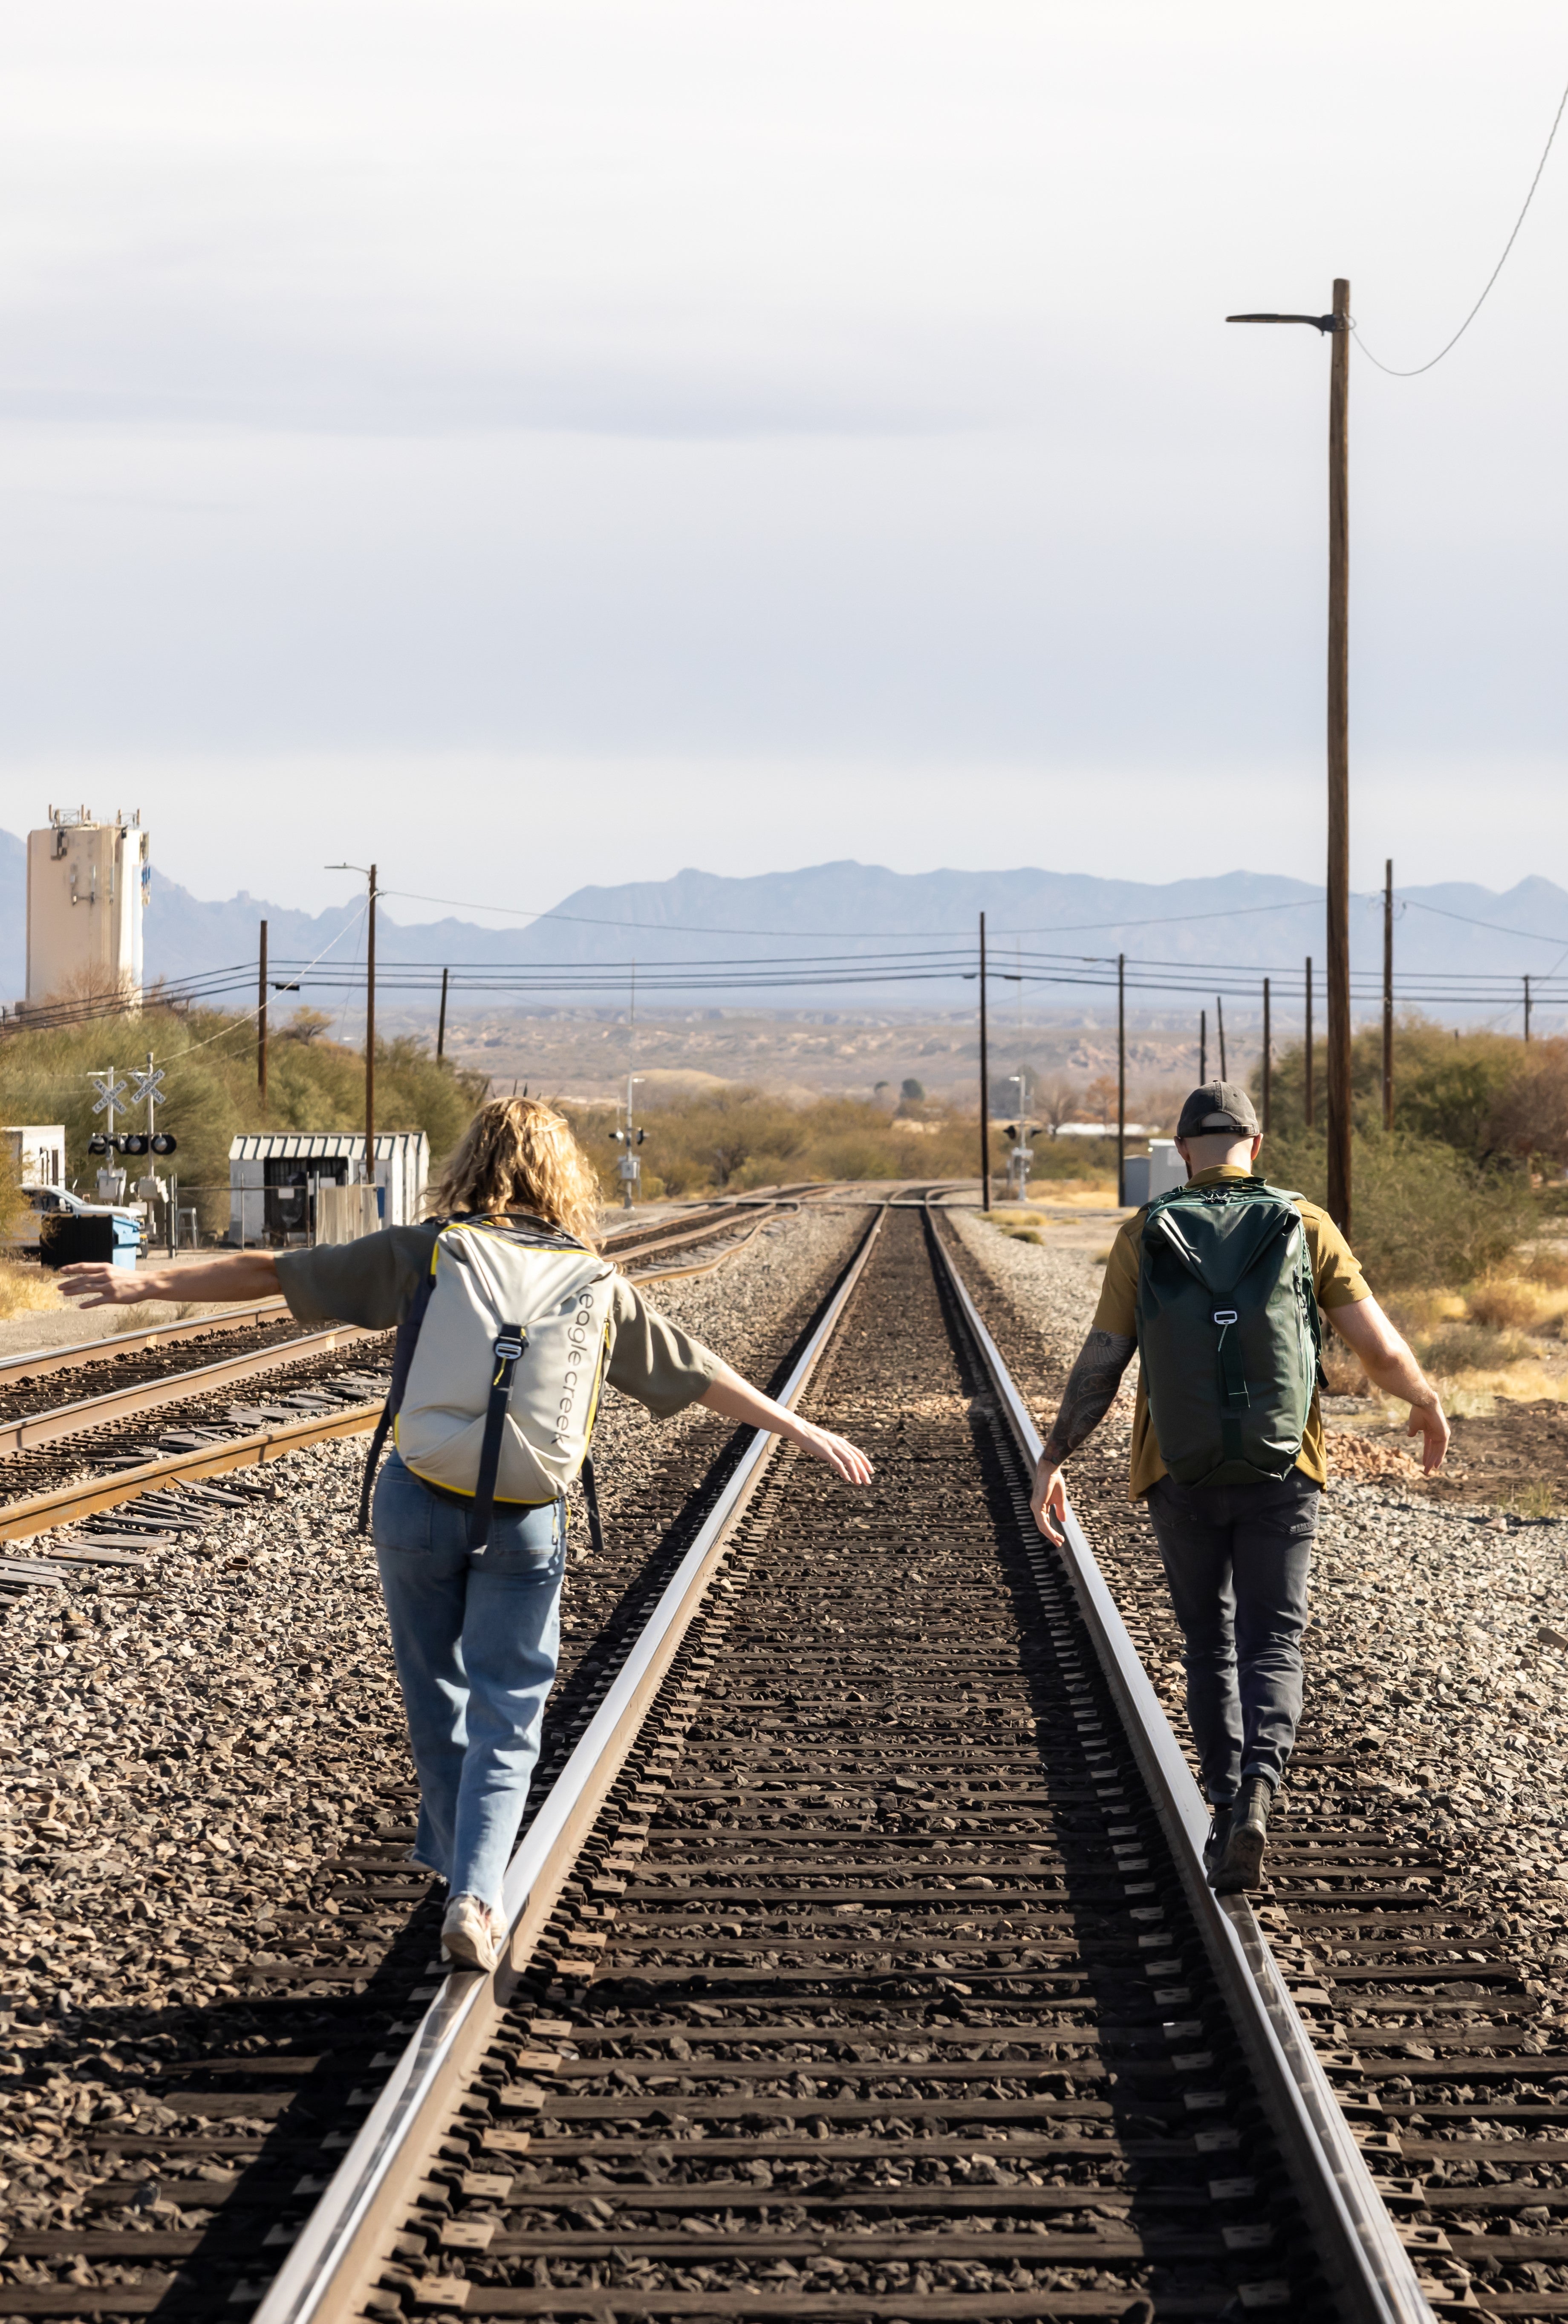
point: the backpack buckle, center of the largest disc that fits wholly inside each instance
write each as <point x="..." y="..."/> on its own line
<point x="1225" y="1315"/>
<point x="508" y="1348"/>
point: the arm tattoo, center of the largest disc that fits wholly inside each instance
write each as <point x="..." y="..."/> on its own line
<point x="1090" y="1392"/>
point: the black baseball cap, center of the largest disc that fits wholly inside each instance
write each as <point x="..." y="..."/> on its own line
<point x="1218" y="1105"/>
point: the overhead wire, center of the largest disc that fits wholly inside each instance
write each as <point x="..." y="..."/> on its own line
<point x="1416" y="372"/>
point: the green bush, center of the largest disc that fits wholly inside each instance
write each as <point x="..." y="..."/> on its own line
<point x="736" y="1138"/>
<point x="1455" y="1090"/>
<point x="1422" y="1215"/>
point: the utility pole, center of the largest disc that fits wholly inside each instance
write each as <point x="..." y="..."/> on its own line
<point x="370" y="1037"/>
<point x="1267" y="1062"/>
<point x="1203" y="1044"/>
<point x="1307" y="1094"/>
<point x="369" y="1017"/>
<point x="441" y="1020"/>
<point x="1339" y="766"/>
<point x="1220" y="1028"/>
<point x="1121" y="1079"/>
<point x="1527" y="1009"/>
<point x="262" y="1022"/>
<point x="984" y="1086"/>
<point x="1388" y="995"/>
<point x="1336" y="326"/>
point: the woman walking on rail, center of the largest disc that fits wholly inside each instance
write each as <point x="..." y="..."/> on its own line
<point x="509" y="1323"/>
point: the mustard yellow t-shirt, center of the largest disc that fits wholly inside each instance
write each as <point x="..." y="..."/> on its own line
<point x="1336" y="1279"/>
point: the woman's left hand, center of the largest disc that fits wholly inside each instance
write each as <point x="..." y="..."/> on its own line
<point x="836" y="1452"/>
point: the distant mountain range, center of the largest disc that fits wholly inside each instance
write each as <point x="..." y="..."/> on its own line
<point x="1254" y="921"/>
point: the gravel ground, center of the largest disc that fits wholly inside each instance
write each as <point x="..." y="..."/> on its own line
<point x="1438" y="1649"/>
<point x="185" y="1748"/>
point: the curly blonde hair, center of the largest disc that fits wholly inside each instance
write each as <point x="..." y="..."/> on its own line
<point x="518" y="1154"/>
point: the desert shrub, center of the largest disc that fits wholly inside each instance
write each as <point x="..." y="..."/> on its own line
<point x="1529" y="1113"/>
<point x="1504" y="1303"/>
<point x="1454" y="1091"/>
<point x="13" y="1202"/>
<point x="1548" y="1266"/>
<point x="1469" y="1348"/>
<point x="736" y="1138"/>
<point x="1421" y="1213"/>
<point x="1341" y="1370"/>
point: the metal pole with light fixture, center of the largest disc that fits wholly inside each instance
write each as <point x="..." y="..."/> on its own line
<point x="1336" y="326"/>
<point x="369" y="873"/>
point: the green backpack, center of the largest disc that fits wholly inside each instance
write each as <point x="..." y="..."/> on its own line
<point x="1229" y="1334"/>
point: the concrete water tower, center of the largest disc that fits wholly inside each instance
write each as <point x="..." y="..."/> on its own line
<point x="86" y="889"/>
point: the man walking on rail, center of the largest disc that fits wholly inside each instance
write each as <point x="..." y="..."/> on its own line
<point x="1220" y="1287"/>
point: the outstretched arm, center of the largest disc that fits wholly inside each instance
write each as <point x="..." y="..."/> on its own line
<point x="241" y="1275"/>
<point x="737" y="1400"/>
<point x="1388" y="1364"/>
<point x="1090" y="1392"/>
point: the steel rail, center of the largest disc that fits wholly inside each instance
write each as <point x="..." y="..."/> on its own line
<point x="1358" y="2239"/>
<point x="42" y="1512"/>
<point x="341" y="2241"/>
<point x="38" y="1360"/>
<point x="172" y="1387"/>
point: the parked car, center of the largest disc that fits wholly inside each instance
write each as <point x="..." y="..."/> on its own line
<point x="48" y="1230"/>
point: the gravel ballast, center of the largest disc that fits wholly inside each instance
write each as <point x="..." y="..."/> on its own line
<point x="1427" y="1655"/>
<point x="189" y="1745"/>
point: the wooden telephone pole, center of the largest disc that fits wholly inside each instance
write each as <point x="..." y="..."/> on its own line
<point x="1267" y="1064"/>
<point x="1121" y="1079"/>
<point x="262" y="1022"/>
<point x="984" y="1086"/>
<point x="1388" y="994"/>
<point x="370" y="1037"/>
<point x="1308" y="1092"/>
<point x="1339" y="765"/>
<point x="1336" y="326"/>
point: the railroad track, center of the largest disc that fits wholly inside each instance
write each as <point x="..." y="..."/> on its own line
<point x="861" y="1968"/>
<point x="862" y="1965"/>
<point x="1431" y="2032"/>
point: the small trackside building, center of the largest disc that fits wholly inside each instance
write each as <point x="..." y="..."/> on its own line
<point x="281" y="1182"/>
<point x="36" y="1151"/>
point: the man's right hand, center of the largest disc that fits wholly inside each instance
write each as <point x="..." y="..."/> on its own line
<point x="1429" y="1422"/>
<point x="1048" y="1501"/>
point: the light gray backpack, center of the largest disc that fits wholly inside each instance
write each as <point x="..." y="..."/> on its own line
<point x="498" y="1369"/>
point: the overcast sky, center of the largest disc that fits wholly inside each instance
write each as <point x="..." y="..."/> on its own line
<point x="484" y="435"/>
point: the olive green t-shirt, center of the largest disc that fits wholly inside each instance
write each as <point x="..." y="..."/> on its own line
<point x="1336" y="1279"/>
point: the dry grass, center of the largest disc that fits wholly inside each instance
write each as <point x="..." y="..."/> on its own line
<point x="1537" y="1500"/>
<point x="1506" y="1303"/>
<point x="1341" y="1370"/>
<point x="25" y="1291"/>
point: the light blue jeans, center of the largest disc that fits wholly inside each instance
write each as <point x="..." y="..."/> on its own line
<point x="476" y="1640"/>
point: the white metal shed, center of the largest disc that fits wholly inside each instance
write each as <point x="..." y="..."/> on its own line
<point x="275" y="1178"/>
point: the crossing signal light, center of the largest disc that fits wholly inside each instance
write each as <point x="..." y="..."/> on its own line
<point x="165" y="1142"/>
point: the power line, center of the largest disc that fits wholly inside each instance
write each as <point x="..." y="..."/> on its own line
<point x="1492" y="278"/>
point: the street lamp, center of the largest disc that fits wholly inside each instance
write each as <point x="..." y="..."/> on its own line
<point x="1336" y="326"/>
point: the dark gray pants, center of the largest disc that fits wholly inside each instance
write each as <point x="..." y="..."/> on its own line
<point x="1237" y="1559"/>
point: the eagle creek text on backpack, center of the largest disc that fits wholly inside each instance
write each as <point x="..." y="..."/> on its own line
<point x="1229" y="1334"/>
<point x="582" y="1339"/>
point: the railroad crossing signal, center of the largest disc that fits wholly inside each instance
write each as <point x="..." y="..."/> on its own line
<point x="112" y="1093"/>
<point x="149" y="1086"/>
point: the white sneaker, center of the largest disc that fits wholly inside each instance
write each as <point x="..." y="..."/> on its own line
<point x="469" y="1934"/>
